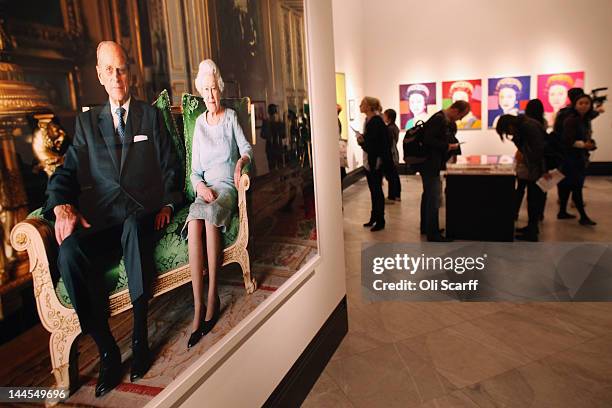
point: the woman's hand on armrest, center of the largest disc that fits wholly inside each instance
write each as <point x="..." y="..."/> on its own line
<point x="244" y="160"/>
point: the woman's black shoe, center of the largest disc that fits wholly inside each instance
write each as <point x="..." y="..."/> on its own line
<point x="587" y="221"/>
<point x="369" y="223"/>
<point x="564" y="215"/>
<point x="207" y="325"/>
<point x="196" y="336"/>
<point x="379" y="226"/>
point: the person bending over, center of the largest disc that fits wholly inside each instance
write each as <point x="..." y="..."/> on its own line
<point x="530" y="139"/>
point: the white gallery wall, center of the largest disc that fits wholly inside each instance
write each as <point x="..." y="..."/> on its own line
<point x="407" y="41"/>
<point x="349" y="54"/>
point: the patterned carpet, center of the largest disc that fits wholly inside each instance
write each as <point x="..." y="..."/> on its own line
<point x="282" y="243"/>
<point x="169" y="328"/>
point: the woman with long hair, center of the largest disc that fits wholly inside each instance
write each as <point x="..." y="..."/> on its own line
<point x="577" y="143"/>
<point x="535" y="111"/>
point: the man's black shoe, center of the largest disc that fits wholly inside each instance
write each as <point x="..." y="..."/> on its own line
<point x="369" y="223"/>
<point x="110" y="372"/>
<point x="439" y="239"/>
<point x="441" y="231"/>
<point x="527" y="237"/>
<point x="141" y="360"/>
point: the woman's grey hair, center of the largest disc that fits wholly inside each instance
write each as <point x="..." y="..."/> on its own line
<point x="208" y="67"/>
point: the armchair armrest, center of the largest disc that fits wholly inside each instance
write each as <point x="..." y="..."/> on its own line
<point x="245" y="183"/>
<point x="36" y="236"/>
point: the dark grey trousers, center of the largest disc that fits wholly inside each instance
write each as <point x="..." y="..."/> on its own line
<point x="88" y="252"/>
<point x="430" y="205"/>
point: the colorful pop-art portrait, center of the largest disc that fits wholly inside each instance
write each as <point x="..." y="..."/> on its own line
<point x="469" y="91"/>
<point x="417" y="102"/>
<point x="507" y="96"/>
<point x="552" y="91"/>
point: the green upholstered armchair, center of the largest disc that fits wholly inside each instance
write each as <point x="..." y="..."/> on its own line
<point x="36" y="236"/>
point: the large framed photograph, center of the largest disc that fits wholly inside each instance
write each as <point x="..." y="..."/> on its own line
<point x="265" y="212"/>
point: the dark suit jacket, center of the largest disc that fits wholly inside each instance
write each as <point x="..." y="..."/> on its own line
<point x="106" y="181"/>
<point x="438" y="133"/>
<point x="376" y="142"/>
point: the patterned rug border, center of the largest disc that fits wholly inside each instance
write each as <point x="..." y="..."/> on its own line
<point x="132" y="388"/>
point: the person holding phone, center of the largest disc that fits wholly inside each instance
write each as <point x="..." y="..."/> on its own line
<point x="441" y="143"/>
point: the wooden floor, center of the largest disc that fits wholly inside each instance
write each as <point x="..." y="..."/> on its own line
<point x="472" y="355"/>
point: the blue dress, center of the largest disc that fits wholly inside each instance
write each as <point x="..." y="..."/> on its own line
<point x="215" y="151"/>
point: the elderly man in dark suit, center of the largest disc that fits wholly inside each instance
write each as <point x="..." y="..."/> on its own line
<point x="119" y="183"/>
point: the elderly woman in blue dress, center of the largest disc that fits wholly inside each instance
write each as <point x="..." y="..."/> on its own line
<point x="220" y="151"/>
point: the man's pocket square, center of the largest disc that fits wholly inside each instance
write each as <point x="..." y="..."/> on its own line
<point x="140" y="138"/>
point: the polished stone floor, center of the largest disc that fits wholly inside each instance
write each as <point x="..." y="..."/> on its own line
<point x="455" y="355"/>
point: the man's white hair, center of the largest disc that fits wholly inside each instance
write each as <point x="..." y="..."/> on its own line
<point x="208" y="67"/>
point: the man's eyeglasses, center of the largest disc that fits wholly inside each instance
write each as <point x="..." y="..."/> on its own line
<point x="110" y="71"/>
